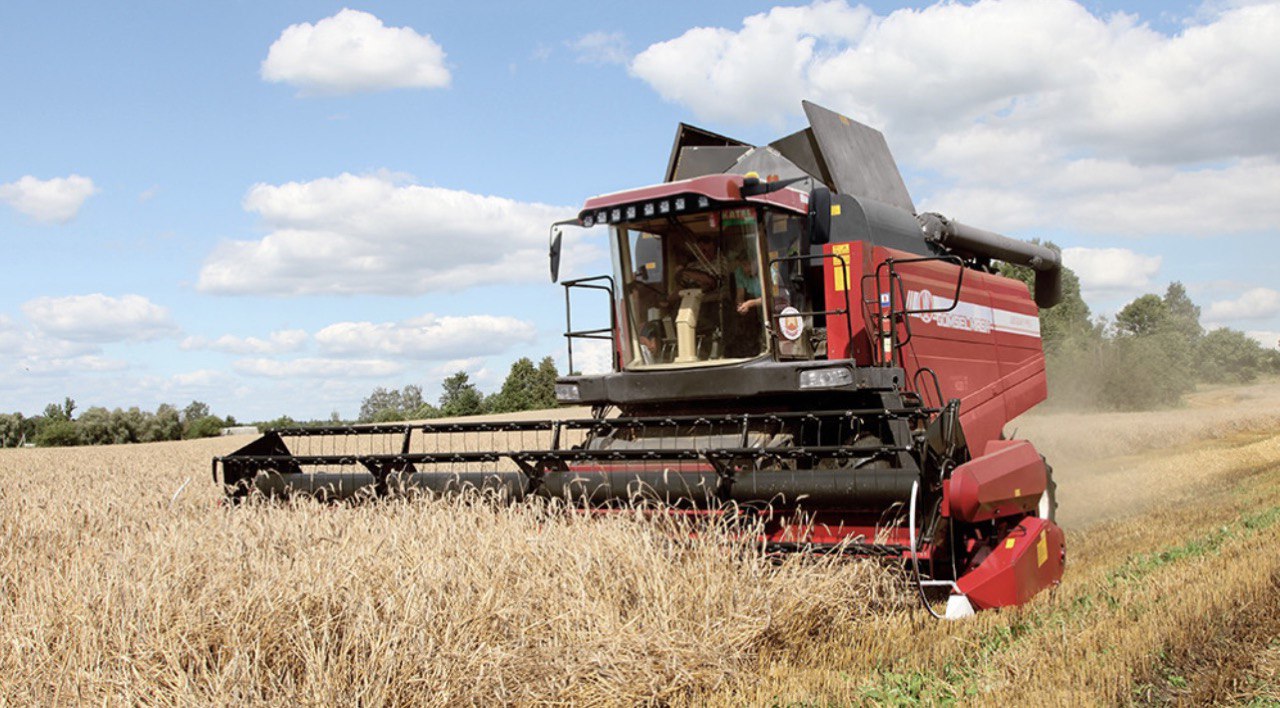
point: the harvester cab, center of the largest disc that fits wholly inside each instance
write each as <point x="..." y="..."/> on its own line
<point x="788" y="340"/>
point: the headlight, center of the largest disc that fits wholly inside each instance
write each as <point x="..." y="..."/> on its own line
<point x="567" y="392"/>
<point x="825" y="378"/>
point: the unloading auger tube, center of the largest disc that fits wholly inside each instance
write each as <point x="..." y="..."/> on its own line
<point x="969" y="240"/>
<point x="789" y="340"/>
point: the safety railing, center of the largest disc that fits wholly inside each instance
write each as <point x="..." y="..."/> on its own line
<point x="602" y="333"/>
<point x="776" y="317"/>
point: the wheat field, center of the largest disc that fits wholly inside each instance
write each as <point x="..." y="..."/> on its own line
<point x="124" y="580"/>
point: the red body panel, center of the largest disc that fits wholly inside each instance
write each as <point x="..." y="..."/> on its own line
<point x="723" y="188"/>
<point x="986" y="351"/>
<point x="1008" y="479"/>
<point x="1028" y="560"/>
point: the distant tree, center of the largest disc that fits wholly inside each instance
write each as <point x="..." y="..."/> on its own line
<point x="1182" y="316"/>
<point x="460" y="396"/>
<point x="58" y="433"/>
<point x="1271" y="360"/>
<point x="520" y="389"/>
<point x="11" y="429"/>
<point x="1144" y="316"/>
<point x="385" y="405"/>
<point x="195" y="411"/>
<point x="95" y="426"/>
<point x="545" y="396"/>
<point x="207" y="427"/>
<point x="283" y="421"/>
<point x="166" y="424"/>
<point x="62" y="411"/>
<point x="127" y="426"/>
<point x="1140" y="373"/>
<point x="1230" y="356"/>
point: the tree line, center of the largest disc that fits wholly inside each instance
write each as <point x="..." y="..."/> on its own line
<point x="58" y="426"/>
<point x="1151" y="353"/>
<point x="527" y="387"/>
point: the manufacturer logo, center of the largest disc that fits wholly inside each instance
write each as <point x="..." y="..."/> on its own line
<point x="790" y="324"/>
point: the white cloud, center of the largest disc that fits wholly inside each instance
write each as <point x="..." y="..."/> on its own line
<point x="100" y="318"/>
<point x="1111" y="270"/>
<point x="201" y="378"/>
<point x="89" y="363"/>
<point x="426" y="337"/>
<point x="51" y="201"/>
<point x="317" y="368"/>
<point x="1255" y="304"/>
<point x="592" y="357"/>
<point x="280" y="342"/>
<point x="601" y="48"/>
<point x="375" y="234"/>
<point x="353" y="52"/>
<point x="1267" y="338"/>
<point x="1041" y="63"/>
<point x="1036" y="113"/>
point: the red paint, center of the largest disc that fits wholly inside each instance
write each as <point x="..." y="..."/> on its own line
<point x="1028" y="559"/>
<point x="1009" y="479"/>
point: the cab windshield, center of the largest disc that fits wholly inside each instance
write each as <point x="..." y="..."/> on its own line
<point x="691" y="288"/>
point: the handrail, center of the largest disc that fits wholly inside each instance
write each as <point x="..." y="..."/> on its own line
<point x="571" y="334"/>
<point x="897" y="294"/>
<point x="776" y="318"/>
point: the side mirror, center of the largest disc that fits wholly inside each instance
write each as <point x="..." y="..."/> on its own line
<point x="555" y="253"/>
<point x="819" y="215"/>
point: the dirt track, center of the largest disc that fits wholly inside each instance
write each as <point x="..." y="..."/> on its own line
<point x="1118" y="465"/>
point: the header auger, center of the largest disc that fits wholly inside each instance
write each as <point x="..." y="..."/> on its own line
<point x="788" y="339"/>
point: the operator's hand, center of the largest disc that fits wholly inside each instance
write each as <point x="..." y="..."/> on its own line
<point x="745" y="306"/>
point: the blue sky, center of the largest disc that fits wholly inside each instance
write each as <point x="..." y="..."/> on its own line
<point x="276" y="207"/>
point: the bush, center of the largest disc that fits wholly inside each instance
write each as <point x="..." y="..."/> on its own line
<point x="209" y="426"/>
<point x="58" y="433"/>
<point x="1229" y="356"/>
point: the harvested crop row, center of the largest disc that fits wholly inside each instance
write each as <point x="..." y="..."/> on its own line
<point x="1140" y="592"/>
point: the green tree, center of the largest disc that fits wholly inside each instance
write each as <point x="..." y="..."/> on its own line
<point x="460" y="396"/>
<point x="11" y="429"/>
<point x="546" y="389"/>
<point x="166" y="424"/>
<point x="519" y="390"/>
<point x="95" y="426"/>
<point x="1229" y="356"/>
<point x="1182" y="316"/>
<point x="58" y="433"/>
<point x="54" y="411"/>
<point x="195" y="411"/>
<point x="1144" y="316"/>
<point x="207" y="427"/>
<point x="386" y="405"/>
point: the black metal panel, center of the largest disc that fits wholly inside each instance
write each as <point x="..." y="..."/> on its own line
<point x="696" y="161"/>
<point x="688" y="135"/>
<point x="801" y="148"/>
<point x="755" y="378"/>
<point x="857" y="158"/>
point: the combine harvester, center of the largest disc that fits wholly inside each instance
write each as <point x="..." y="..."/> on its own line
<point x="801" y="347"/>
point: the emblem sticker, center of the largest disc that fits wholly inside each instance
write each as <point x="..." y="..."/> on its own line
<point x="790" y="324"/>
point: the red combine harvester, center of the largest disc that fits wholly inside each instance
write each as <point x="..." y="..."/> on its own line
<point x="802" y="347"/>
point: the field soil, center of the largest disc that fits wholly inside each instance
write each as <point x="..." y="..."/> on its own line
<point x="123" y="579"/>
